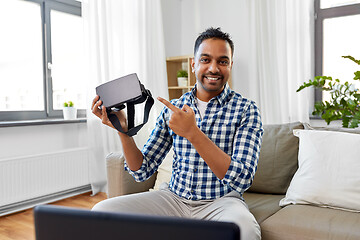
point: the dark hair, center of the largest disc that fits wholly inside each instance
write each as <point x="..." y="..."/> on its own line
<point x="213" y="33"/>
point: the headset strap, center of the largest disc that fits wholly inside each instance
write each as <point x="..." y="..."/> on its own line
<point x="132" y="130"/>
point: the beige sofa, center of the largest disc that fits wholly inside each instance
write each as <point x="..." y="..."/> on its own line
<point x="277" y="165"/>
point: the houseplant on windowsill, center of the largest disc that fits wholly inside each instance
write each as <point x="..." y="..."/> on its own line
<point x="69" y="111"/>
<point x="182" y="78"/>
<point x="345" y="99"/>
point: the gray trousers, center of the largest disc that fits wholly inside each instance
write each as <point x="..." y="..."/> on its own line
<point x="229" y="208"/>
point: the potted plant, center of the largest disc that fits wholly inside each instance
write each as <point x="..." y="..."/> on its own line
<point x="69" y="111"/>
<point x="182" y="78"/>
<point x="345" y="99"/>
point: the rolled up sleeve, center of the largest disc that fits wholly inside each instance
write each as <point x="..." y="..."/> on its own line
<point x="246" y="151"/>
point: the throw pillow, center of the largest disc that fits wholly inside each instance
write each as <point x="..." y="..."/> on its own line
<point x="278" y="158"/>
<point x="328" y="174"/>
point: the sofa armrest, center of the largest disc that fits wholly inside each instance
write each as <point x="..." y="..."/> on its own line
<point x="120" y="182"/>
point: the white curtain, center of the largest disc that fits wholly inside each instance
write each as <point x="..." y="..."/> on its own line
<point x="122" y="37"/>
<point x="282" y="42"/>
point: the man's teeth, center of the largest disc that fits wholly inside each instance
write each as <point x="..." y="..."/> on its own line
<point x="211" y="78"/>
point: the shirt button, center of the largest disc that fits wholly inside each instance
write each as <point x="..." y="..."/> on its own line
<point x="192" y="191"/>
<point x="195" y="170"/>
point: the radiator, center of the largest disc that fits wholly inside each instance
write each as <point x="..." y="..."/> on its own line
<point x="35" y="177"/>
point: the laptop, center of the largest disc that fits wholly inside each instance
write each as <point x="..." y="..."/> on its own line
<point x="57" y="222"/>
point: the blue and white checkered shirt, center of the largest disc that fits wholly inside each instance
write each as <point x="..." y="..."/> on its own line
<point x="232" y="122"/>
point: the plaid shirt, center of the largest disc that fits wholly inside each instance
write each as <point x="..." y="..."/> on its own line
<point x="232" y="122"/>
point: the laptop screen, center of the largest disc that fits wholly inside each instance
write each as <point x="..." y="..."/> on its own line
<point x="56" y="222"/>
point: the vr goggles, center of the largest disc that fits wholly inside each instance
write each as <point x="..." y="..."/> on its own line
<point x="125" y="90"/>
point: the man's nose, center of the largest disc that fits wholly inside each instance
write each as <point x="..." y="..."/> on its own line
<point x="213" y="67"/>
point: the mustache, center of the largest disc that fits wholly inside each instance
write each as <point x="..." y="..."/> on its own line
<point x="212" y="74"/>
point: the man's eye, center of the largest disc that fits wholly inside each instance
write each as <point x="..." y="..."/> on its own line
<point x="224" y="62"/>
<point x="204" y="60"/>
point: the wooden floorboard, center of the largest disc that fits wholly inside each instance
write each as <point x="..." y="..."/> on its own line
<point x="20" y="226"/>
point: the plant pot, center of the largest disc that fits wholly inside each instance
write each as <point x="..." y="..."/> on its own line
<point x="69" y="113"/>
<point x="182" y="81"/>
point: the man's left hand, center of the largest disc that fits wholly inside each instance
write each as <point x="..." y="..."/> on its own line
<point x="182" y="121"/>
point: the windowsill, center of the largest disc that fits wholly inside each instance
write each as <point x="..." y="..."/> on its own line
<point x="40" y="122"/>
<point x="312" y="117"/>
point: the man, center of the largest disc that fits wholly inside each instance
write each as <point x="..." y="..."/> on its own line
<point x="216" y="136"/>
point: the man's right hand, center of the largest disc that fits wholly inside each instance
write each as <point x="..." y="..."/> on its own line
<point x="101" y="113"/>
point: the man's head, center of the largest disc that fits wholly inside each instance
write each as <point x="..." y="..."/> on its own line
<point x="212" y="62"/>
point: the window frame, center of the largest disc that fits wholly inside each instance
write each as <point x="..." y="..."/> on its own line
<point x="320" y="16"/>
<point x="66" y="6"/>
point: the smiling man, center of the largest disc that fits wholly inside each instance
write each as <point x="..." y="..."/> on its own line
<point x="216" y="136"/>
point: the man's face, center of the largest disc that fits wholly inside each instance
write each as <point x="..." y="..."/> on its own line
<point x="212" y="66"/>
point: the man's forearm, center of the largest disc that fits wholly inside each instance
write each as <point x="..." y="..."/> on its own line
<point x="215" y="158"/>
<point x="133" y="155"/>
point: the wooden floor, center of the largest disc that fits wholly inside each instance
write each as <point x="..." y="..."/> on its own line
<point x="20" y="226"/>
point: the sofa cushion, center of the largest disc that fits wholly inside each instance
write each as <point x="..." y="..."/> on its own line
<point x="278" y="159"/>
<point x="328" y="173"/>
<point x="262" y="206"/>
<point x="310" y="222"/>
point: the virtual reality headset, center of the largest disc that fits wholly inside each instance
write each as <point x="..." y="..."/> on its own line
<point x="122" y="91"/>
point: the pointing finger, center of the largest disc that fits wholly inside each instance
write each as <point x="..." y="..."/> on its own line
<point x="168" y="104"/>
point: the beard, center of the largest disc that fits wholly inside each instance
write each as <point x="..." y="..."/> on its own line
<point x="212" y="82"/>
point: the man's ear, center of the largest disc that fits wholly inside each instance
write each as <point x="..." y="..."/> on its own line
<point x="193" y="64"/>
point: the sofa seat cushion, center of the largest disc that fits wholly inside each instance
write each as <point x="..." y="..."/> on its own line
<point x="311" y="222"/>
<point x="262" y="206"/>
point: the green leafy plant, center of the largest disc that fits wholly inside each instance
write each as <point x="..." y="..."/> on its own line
<point x="182" y="73"/>
<point x="68" y="104"/>
<point x="345" y="99"/>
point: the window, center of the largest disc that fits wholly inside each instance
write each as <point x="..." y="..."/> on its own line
<point x="336" y="35"/>
<point x="41" y="58"/>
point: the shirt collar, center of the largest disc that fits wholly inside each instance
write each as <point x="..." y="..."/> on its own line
<point x="221" y="97"/>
